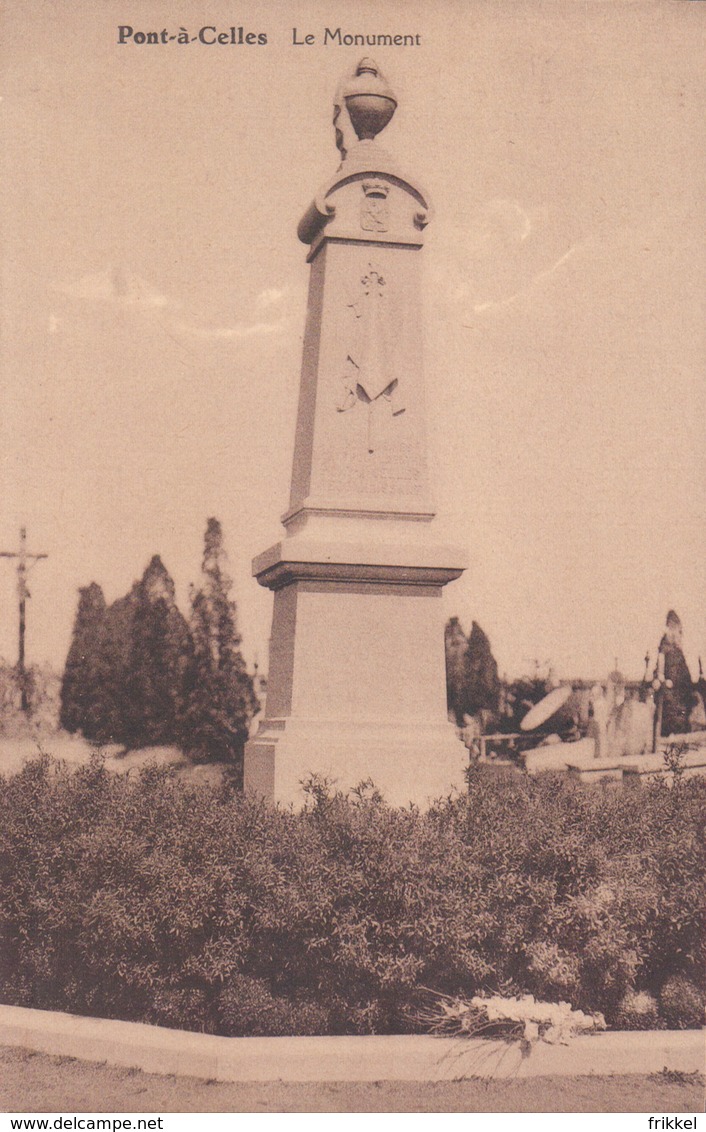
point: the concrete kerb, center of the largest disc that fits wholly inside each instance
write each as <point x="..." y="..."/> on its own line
<point x="155" y="1049"/>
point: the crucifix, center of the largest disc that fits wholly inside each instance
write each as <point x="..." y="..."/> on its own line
<point x="25" y="562"/>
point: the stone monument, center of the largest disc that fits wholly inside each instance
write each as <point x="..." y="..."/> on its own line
<point x="356" y="685"/>
<point x="672" y="681"/>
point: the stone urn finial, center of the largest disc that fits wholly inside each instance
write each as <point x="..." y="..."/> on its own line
<point x="369" y="99"/>
<point x="369" y="102"/>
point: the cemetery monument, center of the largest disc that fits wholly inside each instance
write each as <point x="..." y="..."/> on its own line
<point x="356" y="686"/>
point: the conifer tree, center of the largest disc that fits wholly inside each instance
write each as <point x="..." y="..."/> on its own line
<point x="82" y="690"/>
<point x="152" y="685"/>
<point x="472" y="682"/>
<point x="483" y="682"/>
<point x="112" y="663"/>
<point x="220" y="699"/>
<point x="456" y="646"/>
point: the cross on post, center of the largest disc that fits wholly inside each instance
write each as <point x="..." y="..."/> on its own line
<point x="25" y="561"/>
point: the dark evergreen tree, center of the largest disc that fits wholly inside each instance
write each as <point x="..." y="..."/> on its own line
<point x="472" y="682"/>
<point x="126" y="668"/>
<point x="483" y="683"/>
<point x="221" y="700"/>
<point x="112" y="665"/>
<point x="138" y="674"/>
<point x="152" y="705"/>
<point x="456" y="646"/>
<point x="82" y="690"/>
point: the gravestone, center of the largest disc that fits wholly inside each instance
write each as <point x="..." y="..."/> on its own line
<point x="356" y="685"/>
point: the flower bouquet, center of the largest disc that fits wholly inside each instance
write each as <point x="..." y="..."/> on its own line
<point x="521" y="1019"/>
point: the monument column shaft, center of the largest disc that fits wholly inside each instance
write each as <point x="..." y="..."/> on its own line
<point x="361" y="424"/>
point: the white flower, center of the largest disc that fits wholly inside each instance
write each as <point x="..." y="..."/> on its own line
<point x="549" y="1021"/>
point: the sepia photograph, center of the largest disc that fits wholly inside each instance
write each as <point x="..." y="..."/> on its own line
<point x="352" y="558"/>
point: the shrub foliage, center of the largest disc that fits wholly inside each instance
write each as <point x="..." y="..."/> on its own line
<point x="146" y="899"/>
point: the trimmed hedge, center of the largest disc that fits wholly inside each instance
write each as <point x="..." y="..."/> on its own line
<point x="145" y="899"/>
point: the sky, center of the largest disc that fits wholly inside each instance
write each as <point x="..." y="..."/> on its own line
<point x="154" y="295"/>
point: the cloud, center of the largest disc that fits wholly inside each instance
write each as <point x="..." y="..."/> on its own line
<point x="270" y="296"/>
<point x="497" y="221"/>
<point x="509" y="218"/>
<point x="116" y="285"/>
<point x="120" y="287"/>
<point x="481" y="308"/>
<point x="492" y="251"/>
<point x="229" y="333"/>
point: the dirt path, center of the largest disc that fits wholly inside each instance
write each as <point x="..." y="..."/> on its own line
<point x="35" y="1082"/>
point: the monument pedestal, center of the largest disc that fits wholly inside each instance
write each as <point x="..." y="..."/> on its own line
<point x="356" y="682"/>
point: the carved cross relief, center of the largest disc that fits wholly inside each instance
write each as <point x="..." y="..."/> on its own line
<point x="368" y="376"/>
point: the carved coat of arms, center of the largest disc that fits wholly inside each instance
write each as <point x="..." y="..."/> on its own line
<point x="374" y="209"/>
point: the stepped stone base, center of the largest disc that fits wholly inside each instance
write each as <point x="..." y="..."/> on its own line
<point x="407" y="763"/>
